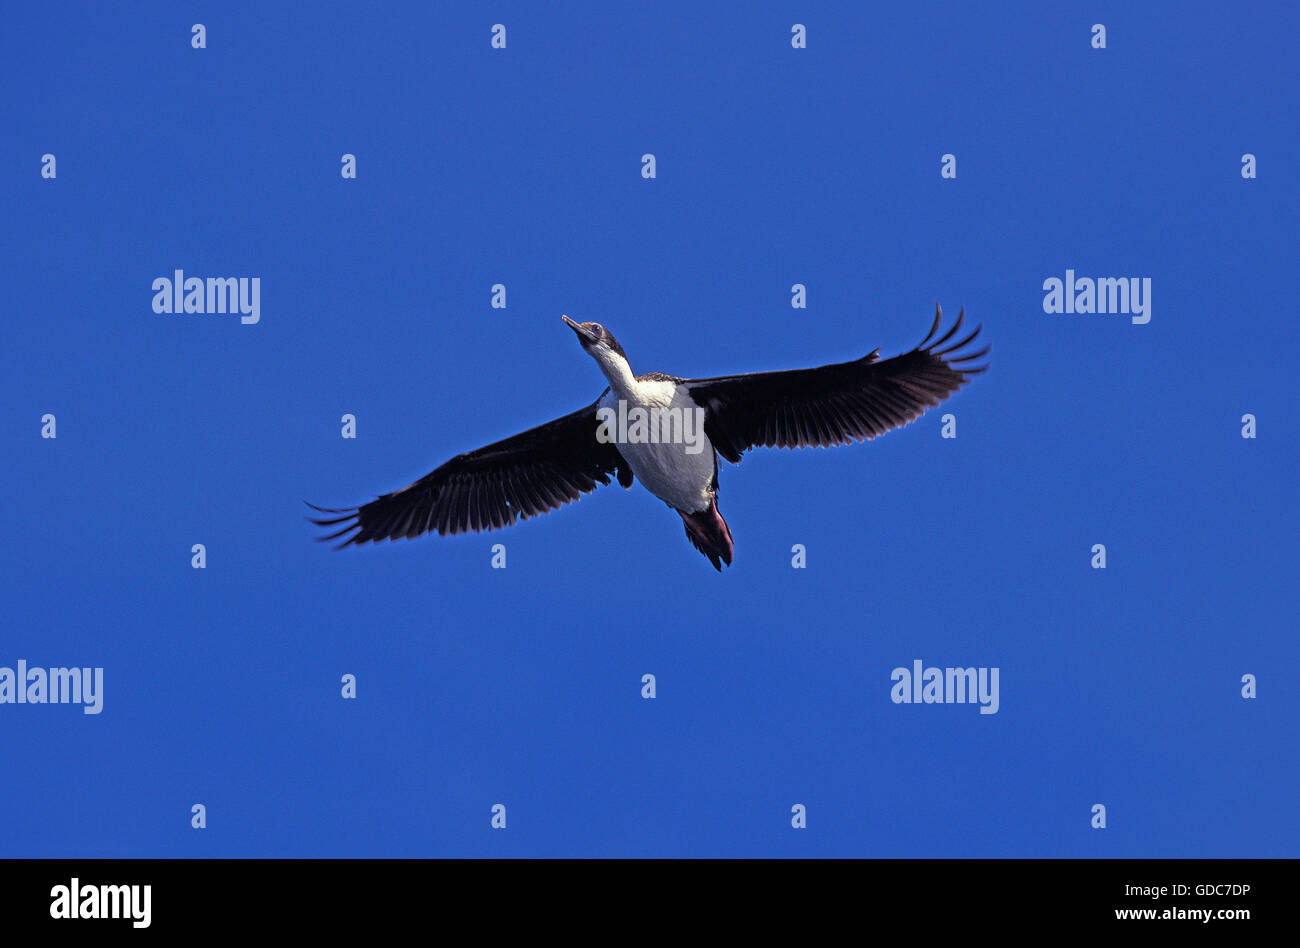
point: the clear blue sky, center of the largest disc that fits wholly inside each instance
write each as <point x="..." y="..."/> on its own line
<point x="522" y="686"/>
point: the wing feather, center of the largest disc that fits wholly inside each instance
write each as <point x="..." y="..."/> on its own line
<point x="533" y="472"/>
<point x="835" y="404"/>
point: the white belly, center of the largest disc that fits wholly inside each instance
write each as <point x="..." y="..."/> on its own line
<point x="677" y="469"/>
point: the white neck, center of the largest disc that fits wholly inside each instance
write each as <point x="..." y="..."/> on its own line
<point x="616" y="369"/>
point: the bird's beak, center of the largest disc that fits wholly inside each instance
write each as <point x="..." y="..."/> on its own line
<point x="584" y="335"/>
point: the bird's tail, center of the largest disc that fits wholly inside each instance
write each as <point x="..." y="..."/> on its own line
<point x="709" y="534"/>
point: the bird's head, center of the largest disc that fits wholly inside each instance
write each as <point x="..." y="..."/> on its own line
<point x="599" y="343"/>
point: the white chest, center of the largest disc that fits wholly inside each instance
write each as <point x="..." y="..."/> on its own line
<point x="660" y="433"/>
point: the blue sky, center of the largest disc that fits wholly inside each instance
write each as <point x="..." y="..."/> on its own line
<point x="522" y="686"/>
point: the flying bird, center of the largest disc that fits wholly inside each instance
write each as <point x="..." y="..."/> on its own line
<point x="546" y="467"/>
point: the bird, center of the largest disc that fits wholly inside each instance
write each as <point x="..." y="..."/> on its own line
<point x="548" y="466"/>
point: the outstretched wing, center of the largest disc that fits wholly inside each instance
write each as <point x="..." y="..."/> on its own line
<point x="529" y="474"/>
<point x="833" y="404"/>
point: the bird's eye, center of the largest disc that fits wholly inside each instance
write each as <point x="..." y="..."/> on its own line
<point x="598" y="329"/>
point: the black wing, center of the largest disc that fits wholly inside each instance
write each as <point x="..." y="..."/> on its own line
<point x="833" y="404"/>
<point x="529" y="474"/>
